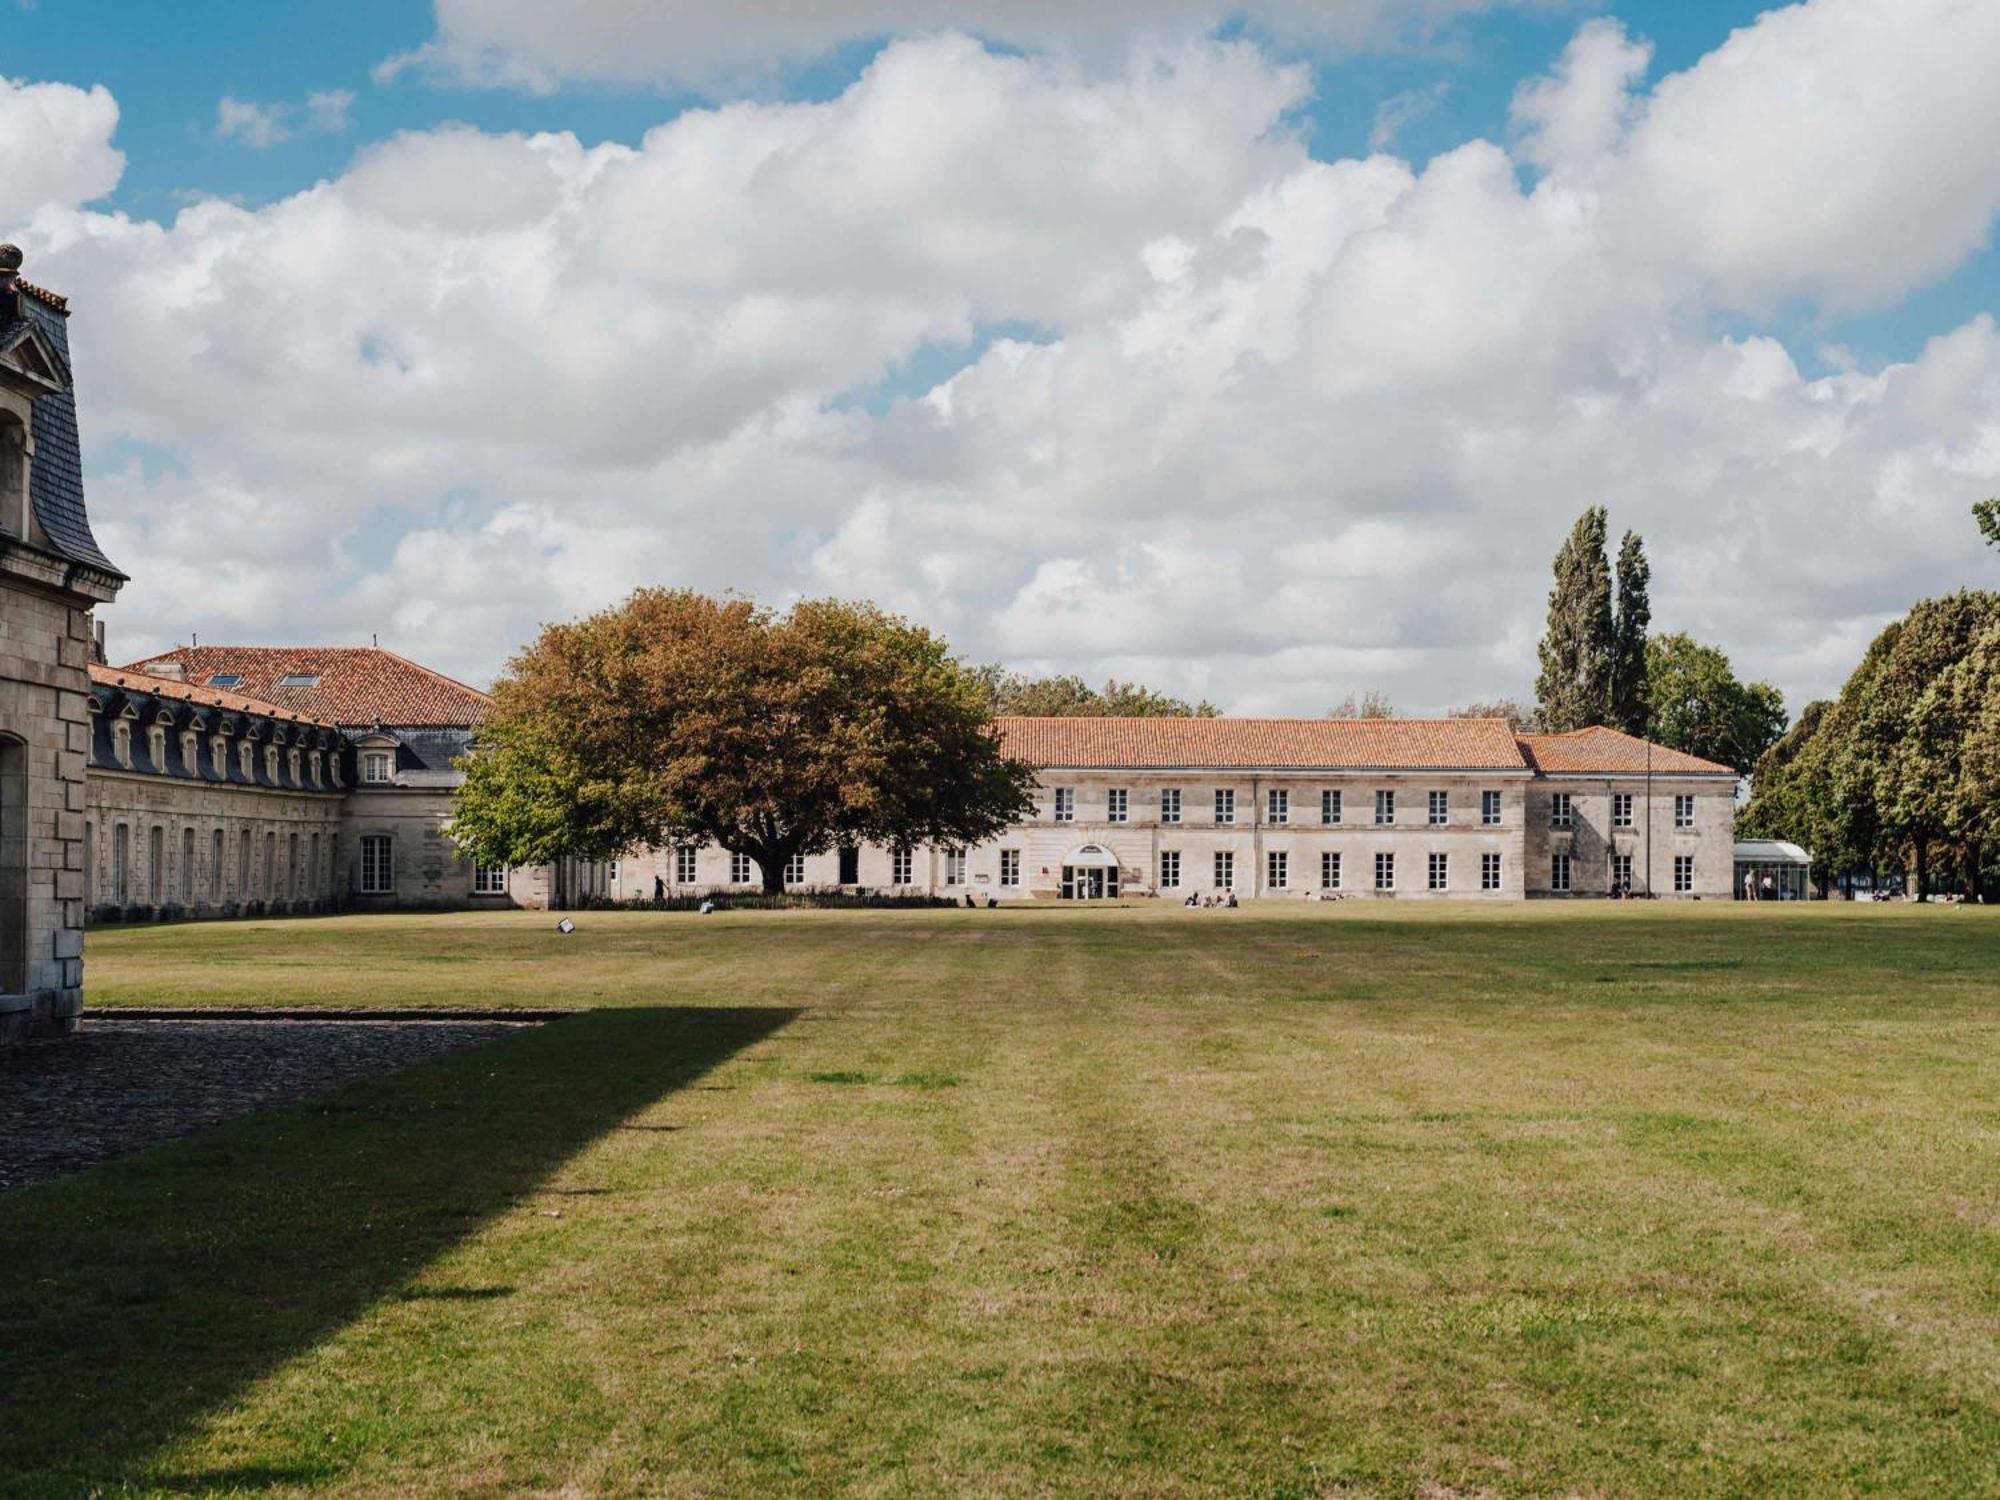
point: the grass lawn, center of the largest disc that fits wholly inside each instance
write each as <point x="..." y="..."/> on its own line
<point x="1313" y="1201"/>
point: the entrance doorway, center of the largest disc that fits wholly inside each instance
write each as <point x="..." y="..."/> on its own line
<point x="1090" y="874"/>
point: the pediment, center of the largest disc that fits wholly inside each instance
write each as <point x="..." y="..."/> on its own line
<point x="30" y="358"/>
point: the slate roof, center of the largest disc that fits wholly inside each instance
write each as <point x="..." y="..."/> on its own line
<point x="1601" y="751"/>
<point x="359" y="686"/>
<point x="55" y="480"/>
<point x="207" y="697"/>
<point x="1277" y="744"/>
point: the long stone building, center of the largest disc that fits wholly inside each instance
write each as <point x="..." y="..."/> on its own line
<point x="1292" y="808"/>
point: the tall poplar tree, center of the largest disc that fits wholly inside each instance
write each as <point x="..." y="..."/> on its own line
<point x="1628" y="646"/>
<point x="1574" y="688"/>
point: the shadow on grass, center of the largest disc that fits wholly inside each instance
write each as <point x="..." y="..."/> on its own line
<point x="139" y="1298"/>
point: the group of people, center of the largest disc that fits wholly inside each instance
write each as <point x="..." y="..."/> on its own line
<point x="1224" y="899"/>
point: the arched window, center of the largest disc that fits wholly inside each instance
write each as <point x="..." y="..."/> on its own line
<point x="13" y="866"/>
<point x="215" y="866"/>
<point x="156" y="843"/>
<point x="187" y="867"/>
<point x="271" y="862"/>
<point x="243" y="865"/>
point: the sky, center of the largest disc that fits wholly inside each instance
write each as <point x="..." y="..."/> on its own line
<point x="1261" y="353"/>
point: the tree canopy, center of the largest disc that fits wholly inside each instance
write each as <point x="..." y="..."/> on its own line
<point x="1906" y="761"/>
<point x="1073" y="698"/>
<point x="676" y="718"/>
<point x="1517" y="714"/>
<point x="1372" y="704"/>
<point x="1593" y="655"/>
<point x="1693" y="702"/>
<point x="1987" y="514"/>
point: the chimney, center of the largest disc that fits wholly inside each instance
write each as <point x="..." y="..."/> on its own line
<point x="10" y="276"/>
<point x="97" y="642"/>
<point x="167" y="667"/>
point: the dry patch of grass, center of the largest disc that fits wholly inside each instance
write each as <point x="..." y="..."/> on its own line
<point x="1440" y="1201"/>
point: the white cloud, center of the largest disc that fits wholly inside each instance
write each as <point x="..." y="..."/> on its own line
<point x="55" y="147"/>
<point x="1398" y="112"/>
<point x="535" y="46"/>
<point x="259" y="126"/>
<point x="1289" y="427"/>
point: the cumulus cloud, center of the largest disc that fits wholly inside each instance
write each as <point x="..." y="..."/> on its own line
<point x="1248" y="424"/>
<point x="262" y="125"/>
<point x="521" y="44"/>
<point x="55" y="146"/>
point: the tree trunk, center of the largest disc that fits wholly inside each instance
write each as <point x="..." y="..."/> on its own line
<point x="774" y="876"/>
<point x="1919" y="849"/>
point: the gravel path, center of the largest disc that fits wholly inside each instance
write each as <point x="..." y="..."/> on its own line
<point x="118" y="1086"/>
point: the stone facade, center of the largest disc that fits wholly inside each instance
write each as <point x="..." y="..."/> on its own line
<point x="1407" y="831"/>
<point x="51" y="575"/>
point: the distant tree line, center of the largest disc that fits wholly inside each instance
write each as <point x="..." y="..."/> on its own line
<point x="1903" y="768"/>
<point x="1073" y="698"/>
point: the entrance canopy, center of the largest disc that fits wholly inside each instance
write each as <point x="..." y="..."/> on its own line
<point x="1770" y="852"/>
<point x="1091" y="857"/>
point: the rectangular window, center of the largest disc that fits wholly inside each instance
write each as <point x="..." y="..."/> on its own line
<point x="1170" y="869"/>
<point x="1115" y="805"/>
<point x="1621" y="809"/>
<point x="1277" y="869"/>
<point x="1065" y="804"/>
<point x="1385" y="872"/>
<point x="121" y="854"/>
<point x="187" y="865"/>
<point x="684" y="865"/>
<point x="1010" y="867"/>
<point x="1170" y="804"/>
<point x="1225" y="869"/>
<point x="243" y="864"/>
<point x="954" y="867"/>
<point x="312" y="869"/>
<point x="739" y="870"/>
<point x="1329" y="807"/>
<point x="1683" y="811"/>
<point x="271" y="864"/>
<point x="1559" y="872"/>
<point x="489" y="880"/>
<point x="215" y="863"/>
<point x="1439" y="871"/>
<point x="1683" y="874"/>
<point x="795" y="869"/>
<point x="1489" y="872"/>
<point x="1560" y="815"/>
<point x="1225" y="805"/>
<point x="1440" y="807"/>
<point x="1621" y="870"/>
<point x="900" y="866"/>
<point x="154" y="842"/>
<point x="378" y="871"/>
<point x="375" y="767"/>
<point x="1329" y="872"/>
<point x="1278" y="806"/>
<point x="1489" y="809"/>
<point x="1385" y="807"/>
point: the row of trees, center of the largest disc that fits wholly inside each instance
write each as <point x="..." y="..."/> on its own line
<point x="1903" y="768"/>
<point x="1073" y="698"/>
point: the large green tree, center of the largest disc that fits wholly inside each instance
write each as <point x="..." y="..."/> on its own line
<point x="1695" y="703"/>
<point x="1629" y="707"/>
<point x="1578" y="650"/>
<point x="1073" y="698"/>
<point x="679" y="718"/>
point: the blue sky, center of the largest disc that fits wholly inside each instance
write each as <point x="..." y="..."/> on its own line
<point x="1054" y="339"/>
<point x="169" y="65"/>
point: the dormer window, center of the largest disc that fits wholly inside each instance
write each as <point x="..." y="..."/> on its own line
<point x="246" y="760"/>
<point x="218" y="749"/>
<point x="225" y="679"/>
<point x="270" y="762"/>
<point x="190" y="752"/>
<point x="376" y="768"/>
<point x="121" y="743"/>
<point x="13" y="475"/>
<point x="292" y="765"/>
<point x="333" y="768"/>
<point x="156" y="747"/>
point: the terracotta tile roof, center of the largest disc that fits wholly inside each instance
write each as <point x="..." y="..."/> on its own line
<point x="1304" y="744"/>
<point x="357" y="686"/>
<point x="206" y="697"/>
<point x="54" y="299"/>
<point x="1601" y="751"/>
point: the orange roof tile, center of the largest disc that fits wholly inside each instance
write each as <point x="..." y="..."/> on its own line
<point x="205" y="697"/>
<point x="358" y="685"/>
<point x="1601" y="751"/>
<point x="1302" y="744"/>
